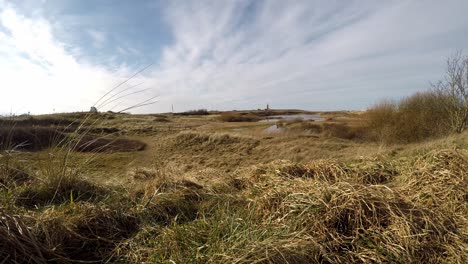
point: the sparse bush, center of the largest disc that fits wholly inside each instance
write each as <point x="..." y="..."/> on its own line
<point x="411" y="119"/>
<point x="454" y="88"/>
<point x="424" y="115"/>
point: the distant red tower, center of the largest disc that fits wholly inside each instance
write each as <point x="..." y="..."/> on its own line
<point x="267" y="108"/>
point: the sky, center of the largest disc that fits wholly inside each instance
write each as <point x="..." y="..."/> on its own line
<point x="64" y="55"/>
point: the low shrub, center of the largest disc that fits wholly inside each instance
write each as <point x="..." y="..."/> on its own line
<point x="412" y="119"/>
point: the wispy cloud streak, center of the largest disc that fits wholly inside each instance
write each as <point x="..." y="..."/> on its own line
<point x="244" y="54"/>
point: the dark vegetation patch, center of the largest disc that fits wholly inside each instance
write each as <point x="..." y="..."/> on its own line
<point x="101" y="144"/>
<point x="12" y="176"/>
<point x="40" y="138"/>
<point x="194" y="112"/>
<point x="103" y="130"/>
<point x="59" y="190"/>
<point x="29" y="138"/>
<point x="161" y="119"/>
<point x="238" y="117"/>
<point x="43" y="122"/>
<point x="179" y="207"/>
<point x="343" y="131"/>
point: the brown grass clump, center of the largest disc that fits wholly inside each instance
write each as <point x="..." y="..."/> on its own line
<point x="355" y="223"/>
<point x="164" y="197"/>
<point x="80" y="232"/>
<point x="324" y="170"/>
<point x="373" y="172"/>
<point x="84" y="231"/>
<point x="18" y="244"/>
<point x="366" y="172"/>
<point x="439" y="179"/>
<point x="364" y="223"/>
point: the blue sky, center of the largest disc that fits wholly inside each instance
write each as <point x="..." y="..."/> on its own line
<point x="62" y="55"/>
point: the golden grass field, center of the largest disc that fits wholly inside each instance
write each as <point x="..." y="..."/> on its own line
<point x="196" y="189"/>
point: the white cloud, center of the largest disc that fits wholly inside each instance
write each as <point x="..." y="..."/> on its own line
<point x="99" y="38"/>
<point x="40" y="75"/>
<point x="305" y="54"/>
<point x="243" y="54"/>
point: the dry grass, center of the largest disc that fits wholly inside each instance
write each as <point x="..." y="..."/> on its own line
<point x="18" y="244"/>
<point x="325" y="211"/>
<point x="202" y="196"/>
